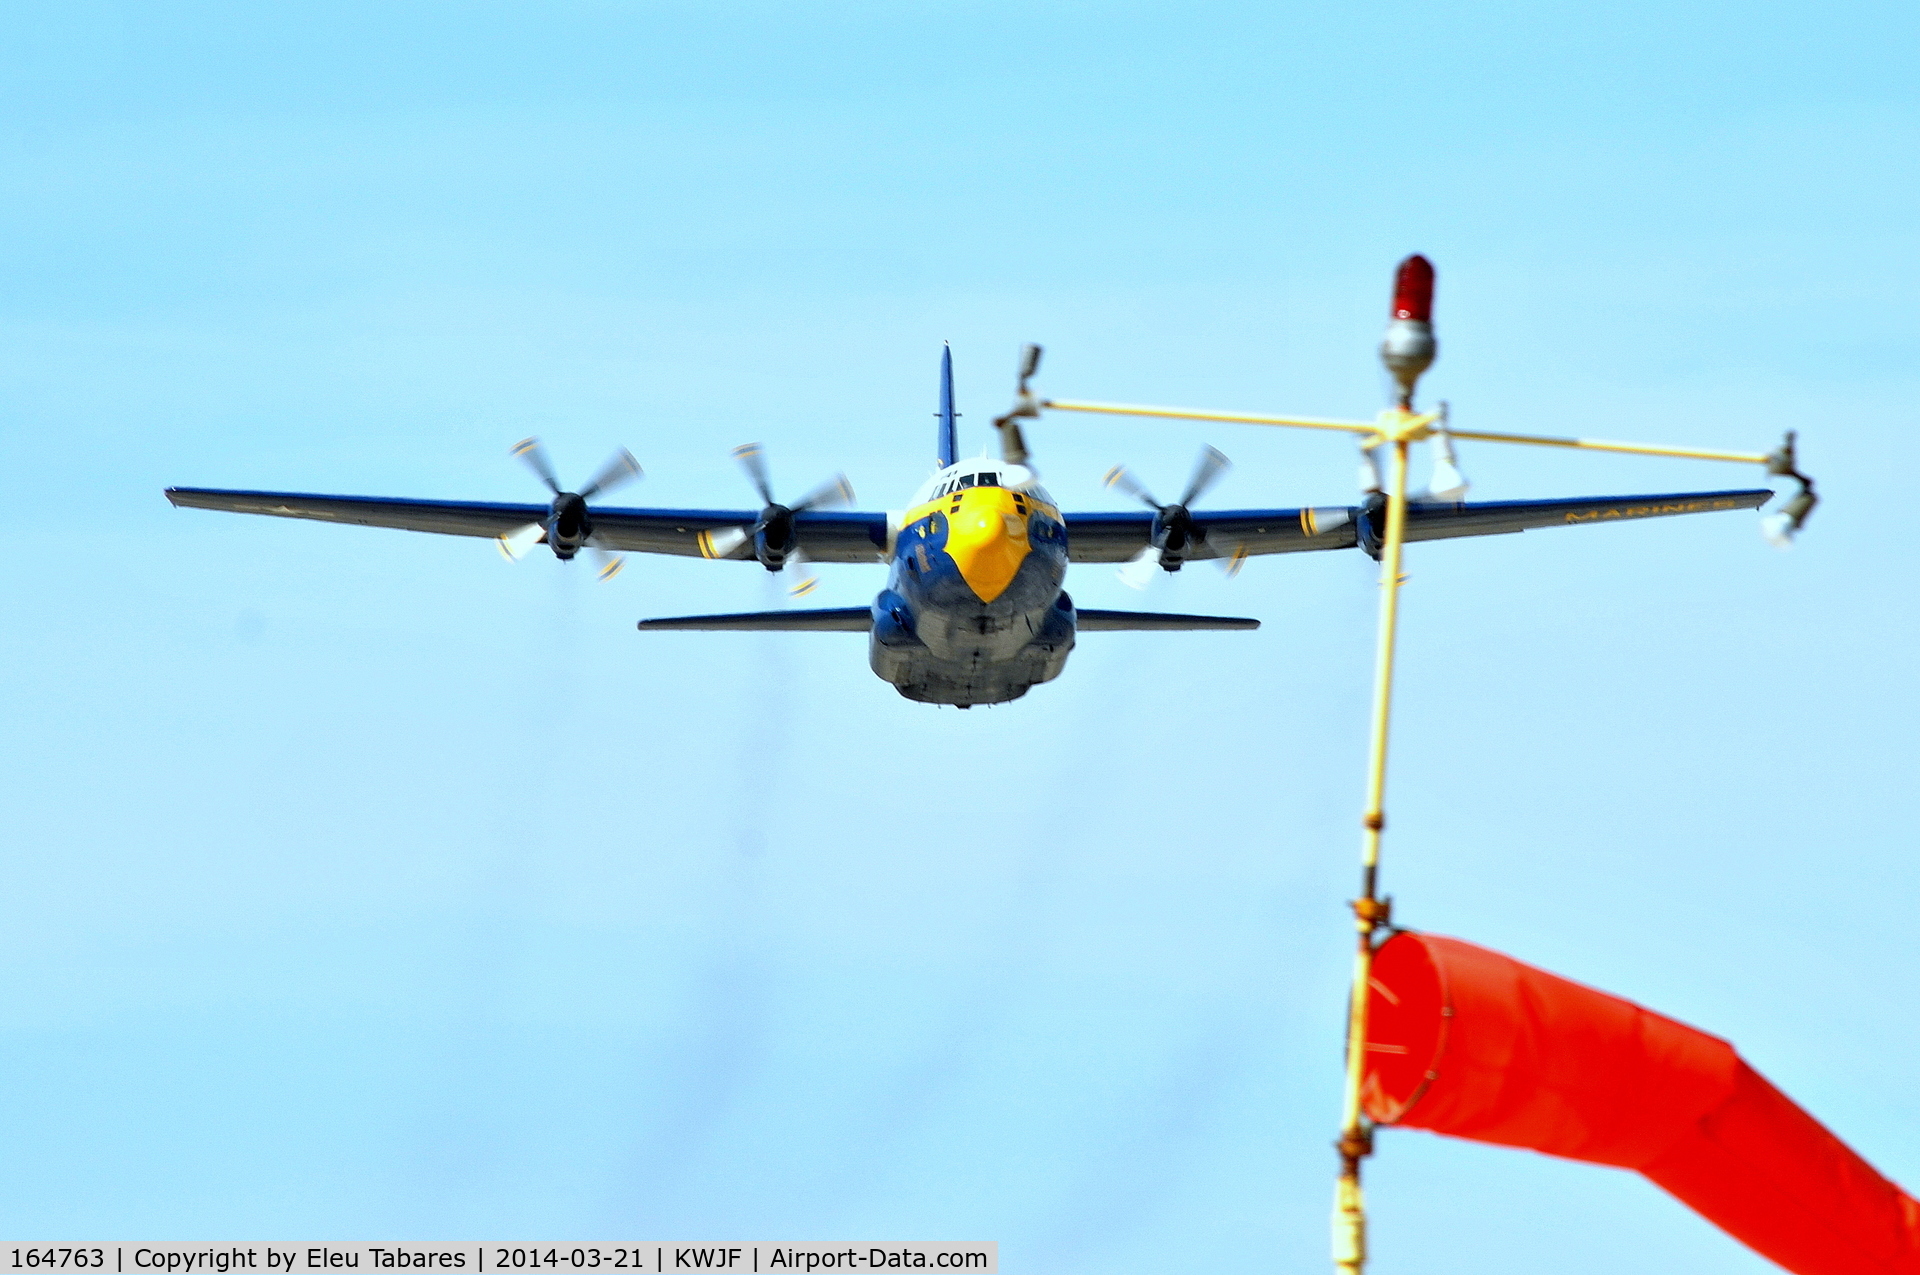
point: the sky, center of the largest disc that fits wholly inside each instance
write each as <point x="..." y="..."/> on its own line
<point x="361" y="885"/>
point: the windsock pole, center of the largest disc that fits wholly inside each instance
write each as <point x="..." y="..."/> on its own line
<point x="1370" y="911"/>
<point x="1408" y="350"/>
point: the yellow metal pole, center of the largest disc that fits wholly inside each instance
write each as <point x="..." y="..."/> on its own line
<point x="1189" y="414"/>
<point x="1601" y="445"/>
<point x="1369" y="912"/>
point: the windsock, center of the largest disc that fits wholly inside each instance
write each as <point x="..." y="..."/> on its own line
<point x="1473" y="1044"/>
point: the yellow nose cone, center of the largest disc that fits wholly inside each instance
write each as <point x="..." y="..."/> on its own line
<point x="987" y="540"/>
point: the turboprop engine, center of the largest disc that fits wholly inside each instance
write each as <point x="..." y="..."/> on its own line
<point x="775" y="546"/>
<point x="568" y="527"/>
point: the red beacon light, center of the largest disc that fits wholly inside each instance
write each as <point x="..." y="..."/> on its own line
<point x="1413" y="290"/>
<point x="1409" y="347"/>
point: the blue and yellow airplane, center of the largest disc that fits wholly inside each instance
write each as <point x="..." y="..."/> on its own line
<point x="974" y="611"/>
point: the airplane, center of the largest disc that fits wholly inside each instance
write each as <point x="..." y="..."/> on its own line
<point x="974" y="610"/>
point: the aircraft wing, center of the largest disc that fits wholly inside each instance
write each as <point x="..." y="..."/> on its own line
<point x="1116" y="537"/>
<point x="1498" y="517"/>
<point x="860" y="619"/>
<point x="824" y="537"/>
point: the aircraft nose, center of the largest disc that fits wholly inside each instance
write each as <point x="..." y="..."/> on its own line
<point x="987" y="540"/>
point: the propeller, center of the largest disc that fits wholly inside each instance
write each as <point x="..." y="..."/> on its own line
<point x="568" y="526"/>
<point x="774" y="543"/>
<point x="1172" y="536"/>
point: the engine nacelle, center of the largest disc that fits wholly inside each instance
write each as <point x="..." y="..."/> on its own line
<point x="773" y="539"/>
<point x="567" y="525"/>
<point x="1173" y="536"/>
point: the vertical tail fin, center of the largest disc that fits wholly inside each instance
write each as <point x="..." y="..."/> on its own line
<point x="949" y="442"/>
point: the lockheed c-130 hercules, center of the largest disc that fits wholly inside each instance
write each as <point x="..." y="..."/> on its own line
<point x="974" y="610"/>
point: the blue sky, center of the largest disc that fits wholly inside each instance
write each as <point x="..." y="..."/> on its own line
<point x="361" y="885"/>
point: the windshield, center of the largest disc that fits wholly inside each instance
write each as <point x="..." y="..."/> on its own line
<point x="959" y="482"/>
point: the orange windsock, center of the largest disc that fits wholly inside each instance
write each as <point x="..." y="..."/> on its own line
<point x="1470" y="1043"/>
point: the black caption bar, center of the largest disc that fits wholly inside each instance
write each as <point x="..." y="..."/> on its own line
<point x="652" y="1257"/>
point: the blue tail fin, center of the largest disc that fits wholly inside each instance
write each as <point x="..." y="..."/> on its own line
<point x="949" y="432"/>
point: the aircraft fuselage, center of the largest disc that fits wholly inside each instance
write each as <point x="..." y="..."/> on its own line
<point x="973" y="611"/>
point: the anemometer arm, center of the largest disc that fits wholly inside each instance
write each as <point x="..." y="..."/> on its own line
<point x="1394" y="423"/>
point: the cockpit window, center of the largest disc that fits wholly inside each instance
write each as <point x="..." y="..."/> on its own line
<point x="959" y="482"/>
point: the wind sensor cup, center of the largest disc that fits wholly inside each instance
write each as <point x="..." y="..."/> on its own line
<point x="1013" y="444"/>
<point x="1785" y="522"/>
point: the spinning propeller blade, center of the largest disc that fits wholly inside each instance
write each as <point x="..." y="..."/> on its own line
<point x="722" y="543"/>
<point x="610" y="563"/>
<point x="1119" y="477"/>
<point x="519" y="542"/>
<point x="529" y="450"/>
<point x="748" y="454"/>
<point x="621" y="468"/>
<point x="832" y="494"/>
<point x="1213" y="462"/>
<point x="800" y="581"/>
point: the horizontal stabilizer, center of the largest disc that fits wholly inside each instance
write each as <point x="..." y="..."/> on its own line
<point x="833" y="620"/>
<point x="1116" y="621"/>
